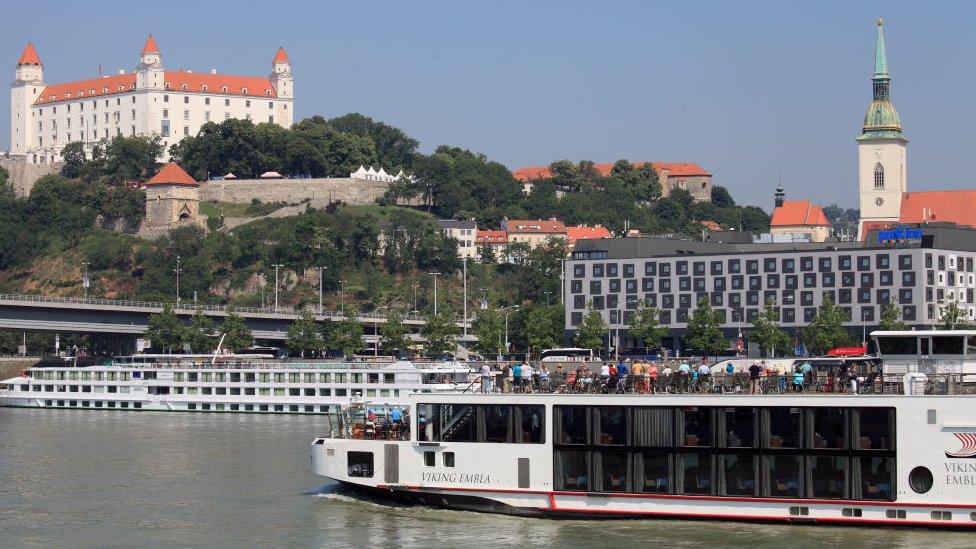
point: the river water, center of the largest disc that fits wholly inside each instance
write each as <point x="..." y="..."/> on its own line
<point x="74" y="478"/>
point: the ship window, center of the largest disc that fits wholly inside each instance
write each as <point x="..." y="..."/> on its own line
<point x="613" y="471"/>
<point x="570" y="424"/>
<point x="904" y="345"/>
<point x="695" y="426"/>
<point x="874" y="478"/>
<point x="783" y="476"/>
<point x="879" y="176"/>
<point x="875" y="428"/>
<point x="496" y="420"/>
<point x="783" y="427"/>
<point x="360" y="464"/>
<point x="653" y="427"/>
<point x="696" y="473"/>
<point x="572" y="470"/>
<point x="828" y="477"/>
<point x="921" y="480"/>
<point x="737" y="427"/>
<point x="530" y="418"/>
<point x="947" y="345"/>
<point x="737" y="475"/>
<point x="448" y="459"/>
<point x="829" y="428"/>
<point x="656" y="468"/>
<point x="613" y="425"/>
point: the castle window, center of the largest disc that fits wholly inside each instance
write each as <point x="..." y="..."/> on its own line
<point x="878" y="176"/>
<point x="223" y="89"/>
<point x="244" y="91"/>
<point x="204" y="87"/>
<point x="182" y="86"/>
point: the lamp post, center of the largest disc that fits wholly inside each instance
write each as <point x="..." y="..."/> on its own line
<point x="415" y="287"/>
<point x="320" y="290"/>
<point x="177" y="270"/>
<point x="376" y="329"/>
<point x="435" y="275"/>
<point x="84" y="279"/>
<point x="342" y="293"/>
<point x="264" y="282"/>
<point x="507" y="311"/>
<point x="276" y="266"/>
<point x="464" y="276"/>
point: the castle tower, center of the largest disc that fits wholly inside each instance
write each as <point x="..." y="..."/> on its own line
<point x="149" y="71"/>
<point x="284" y="85"/>
<point x="172" y="200"/>
<point x="881" y="149"/>
<point x="27" y="85"/>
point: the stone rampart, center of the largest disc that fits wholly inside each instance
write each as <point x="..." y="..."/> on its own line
<point x="23" y="174"/>
<point x="318" y="192"/>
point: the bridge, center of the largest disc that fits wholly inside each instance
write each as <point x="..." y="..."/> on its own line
<point x="26" y="312"/>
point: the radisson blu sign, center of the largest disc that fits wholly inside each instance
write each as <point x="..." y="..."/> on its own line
<point x="899" y="235"/>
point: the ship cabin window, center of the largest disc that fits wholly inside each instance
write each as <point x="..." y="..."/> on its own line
<point x="947" y="345"/>
<point x="495" y="423"/>
<point x="901" y="345"/>
<point x="359" y="464"/>
<point x="780" y="452"/>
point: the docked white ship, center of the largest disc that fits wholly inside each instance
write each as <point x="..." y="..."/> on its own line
<point x="884" y="459"/>
<point x="205" y="383"/>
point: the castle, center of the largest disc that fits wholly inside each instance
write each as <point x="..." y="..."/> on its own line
<point x="147" y="101"/>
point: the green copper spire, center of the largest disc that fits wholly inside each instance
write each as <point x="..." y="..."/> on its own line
<point x="881" y="119"/>
<point x="880" y="58"/>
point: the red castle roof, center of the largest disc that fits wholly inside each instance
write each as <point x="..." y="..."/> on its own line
<point x="150" y="46"/>
<point x="221" y="84"/>
<point x="798" y="213"/>
<point x="172" y="174"/>
<point x="674" y="169"/>
<point x="281" y="56"/>
<point x="29" y="57"/>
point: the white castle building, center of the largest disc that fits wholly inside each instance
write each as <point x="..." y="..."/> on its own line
<point x="147" y="101"/>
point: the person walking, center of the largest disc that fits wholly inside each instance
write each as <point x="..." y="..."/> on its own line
<point x="517" y="377"/>
<point x="485" y="378"/>
<point x="506" y="383"/>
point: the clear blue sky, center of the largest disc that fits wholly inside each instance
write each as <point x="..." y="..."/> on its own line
<point x="748" y="92"/>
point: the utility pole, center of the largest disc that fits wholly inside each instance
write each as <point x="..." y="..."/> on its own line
<point x="465" y="293"/>
<point x="84" y="279"/>
<point x="435" y="275"/>
<point x="342" y="293"/>
<point x="320" y="290"/>
<point x="276" y="266"/>
<point x="376" y="329"/>
<point x="415" y="287"/>
<point x="508" y="310"/>
<point x="177" y="280"/>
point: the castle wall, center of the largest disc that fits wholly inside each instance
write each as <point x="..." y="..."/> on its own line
<point x="319" y="192"/>
<point x="24" y="174"/>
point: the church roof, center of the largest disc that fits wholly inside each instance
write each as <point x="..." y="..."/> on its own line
<point x="249" y="86"/>
<point x="172" y="174"/>
<point x="281" y="56"/>
<point x="927" y="206"/>
<point x="674" y="169"/>
<point x="150" y="46"/>
<point x="880" y="56"/>
<point x="795" y="213"/>
<point x="29" y="57"/>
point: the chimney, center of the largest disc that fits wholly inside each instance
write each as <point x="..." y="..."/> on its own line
<point x="213" y="71"/>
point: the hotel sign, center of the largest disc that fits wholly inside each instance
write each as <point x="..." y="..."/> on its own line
<point x="900" y="235"/>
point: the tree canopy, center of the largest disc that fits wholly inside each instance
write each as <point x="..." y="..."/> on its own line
<point x="704" y="329"/>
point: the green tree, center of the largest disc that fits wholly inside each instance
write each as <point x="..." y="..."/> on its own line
<point x="486" y="254"/>
<point x="592" y="332"/>
<point x="345" y="335"/>
<point x="721" y="197"/>
<point x="75" y="160"/>
<point x="237" y="336"/>
<point x="199" y="334"/>
<point x="132" y="159"/>
<point x="303" y="334"/>
<point x="489" y="328"/>
<point x="543" y="327"/>
<point x="767" y="333"/>
<point x="826" y="330"/>
<point x="165" y="329"/>
<point x="440" y="334"/>
<point x="953" y="317"/>
<point x="891" y="317"/>
<point x="393" y="334"/>
<point x="704" y="329"/>
<point x="644" y="327"/>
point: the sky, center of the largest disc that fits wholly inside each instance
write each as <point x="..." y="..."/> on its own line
<point x="752" y="91"/>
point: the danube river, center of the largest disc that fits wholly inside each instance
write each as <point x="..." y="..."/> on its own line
<point x="137" y="479"/>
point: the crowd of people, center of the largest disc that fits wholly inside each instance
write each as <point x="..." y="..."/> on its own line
<point x="676" y="376"/>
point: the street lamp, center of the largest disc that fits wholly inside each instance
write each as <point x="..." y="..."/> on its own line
<point x="84" y="279"/>
<point x="435" y="275"/>
<point x="320" y="290"/>
<point x="507" y="311"/>
<point x="376" y="329"/>
<point x="415" y="287"/>
<point x="276" y="266"/>
<point x="464" y="277"/>
<point x="342" y="293"/>
<point x="177" y="270"/>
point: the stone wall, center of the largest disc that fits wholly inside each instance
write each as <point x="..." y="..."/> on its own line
<point x="23" y="174"/>
<point x="318" y="192"/>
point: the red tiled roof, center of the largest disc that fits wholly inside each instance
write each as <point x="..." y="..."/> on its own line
<point x="256" y="86"/>
<point x="29" y="57"/>
<point x="172" y="174"/>
<point x="281" y="56"/>
<point x="710" y="225"/>
<point x="491" y="237"/>
<point x="953" y="206"/>
<point x="534" y="226"/>
<point x="798" y="213"/>
<point x="674" y="169"/>
<point x="150" y="46"/>
<point x="582" y="232"/>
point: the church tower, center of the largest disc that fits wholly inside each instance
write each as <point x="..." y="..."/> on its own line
<point x="27" y="85"/>
<point x="881" y="150"/>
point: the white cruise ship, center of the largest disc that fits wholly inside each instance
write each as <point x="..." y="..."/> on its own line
<point x="204" y="383"/>
<point x="902" y="458"/>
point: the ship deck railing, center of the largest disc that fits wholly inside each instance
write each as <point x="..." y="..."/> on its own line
<point x="176" y="363"/>
<point x="725" y="384"/>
